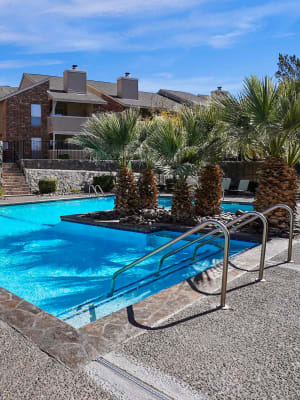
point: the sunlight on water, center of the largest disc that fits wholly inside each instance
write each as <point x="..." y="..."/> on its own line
<point x="59" y="265"/>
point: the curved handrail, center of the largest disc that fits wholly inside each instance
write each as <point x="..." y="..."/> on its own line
<point x="192" y="231"/>
<point x="228" y="225"/>
<point x="100" y="189"/>
<point x="264" y="238"/>
<point x="291" y="230"/>
<point x="94" y="187"/>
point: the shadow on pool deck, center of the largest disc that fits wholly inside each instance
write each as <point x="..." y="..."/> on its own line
<point x="251" y="352"/>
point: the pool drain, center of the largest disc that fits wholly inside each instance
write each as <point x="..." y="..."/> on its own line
<point x="132" y="379"/>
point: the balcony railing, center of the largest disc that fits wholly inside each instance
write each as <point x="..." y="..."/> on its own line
<point x="62" y="124"/>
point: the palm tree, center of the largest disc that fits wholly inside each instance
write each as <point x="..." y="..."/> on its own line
<point x="147" y="183"/>
<point x="115" y="136"/>
<point x="167" y="142"/>
<point x="265" y="118"/>
<point x="204" y="135"/>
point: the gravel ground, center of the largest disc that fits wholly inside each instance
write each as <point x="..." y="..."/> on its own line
<point x="249" y="352"/>
<point x="28" y="373"/>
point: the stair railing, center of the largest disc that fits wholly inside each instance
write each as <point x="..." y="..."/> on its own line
<point x="94" y="189"/>
<point x="192" y="231"/>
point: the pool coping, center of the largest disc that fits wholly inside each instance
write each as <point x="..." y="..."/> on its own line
<point x="3" y="203"/>
<point x="75" y="347"/>
<point x="13" y="201"/>
<point x="84" y="219"/>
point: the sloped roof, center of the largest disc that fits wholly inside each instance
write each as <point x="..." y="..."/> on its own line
<point x="185" y="97"/>
<point x="55" y="82"/>
<point x="20" y="90"/>
<point x="5" y="90"/>
<point x="89" y="98"/>
<point x="145" y="100"/>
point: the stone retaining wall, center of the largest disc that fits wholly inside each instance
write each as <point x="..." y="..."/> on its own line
<point x="67" y="179"/>
<point x="236" y="170"/>
<point x="81" y="165"/>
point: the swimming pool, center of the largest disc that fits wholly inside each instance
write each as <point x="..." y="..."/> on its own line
<point x="226" y="206"/>
<point x="58" y="266"/>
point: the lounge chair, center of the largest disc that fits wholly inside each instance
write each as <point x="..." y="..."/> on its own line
<point x="243" y="185"/>
<point x="242" y="188"/>
<point x="226" y="182"/>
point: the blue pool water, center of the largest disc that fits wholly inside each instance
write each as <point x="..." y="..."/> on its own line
<point x="60" y="265"/>
<point x="226" y="206"/>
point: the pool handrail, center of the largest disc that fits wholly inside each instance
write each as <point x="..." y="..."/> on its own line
<point x="192" y="231"/>
<point x="94" y="188"/>
<point x="234" y="228"/>
<point x="291" y="227"/>
<point x="230" y="225"/>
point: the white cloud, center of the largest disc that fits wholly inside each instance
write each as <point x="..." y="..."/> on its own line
<point x="284" y="35"/>
<point x="196" y="85"/>
<point x="53" y="26"/>
<point x="21" y="63"/>
<point x="81" y="8"/>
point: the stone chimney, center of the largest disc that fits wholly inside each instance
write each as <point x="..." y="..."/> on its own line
<point x="219" y="92"/>
<point x="127" y="87"/>
<point x="74" y="80"/>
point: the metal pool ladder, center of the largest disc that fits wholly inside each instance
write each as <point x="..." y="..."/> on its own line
<point x="192" y="231"/>
<point x="233" y="226"/>
<point x="94" y="189"/>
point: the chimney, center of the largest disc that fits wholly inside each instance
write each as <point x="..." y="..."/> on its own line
<point x="74" y="80"/>
<point x="127" y="87"/>
<point x="219" y="92"/>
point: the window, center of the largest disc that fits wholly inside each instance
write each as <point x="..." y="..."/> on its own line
<point x="36" y="114"/>
<point x="5" y="145"/>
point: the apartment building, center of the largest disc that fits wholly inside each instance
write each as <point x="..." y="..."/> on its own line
<point x="38" y="117"/>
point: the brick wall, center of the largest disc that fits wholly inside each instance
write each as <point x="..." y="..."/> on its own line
<point x="112" y="104"/>
<point x="18" y="114"/>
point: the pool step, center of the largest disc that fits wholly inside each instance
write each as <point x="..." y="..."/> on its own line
<point x="13" y="181"/>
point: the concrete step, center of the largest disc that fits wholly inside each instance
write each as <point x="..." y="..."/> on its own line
<point x="13" y="178"/>
<point x="20" y="187"/>
<point x="13" y="181"/>
<point x="12" y="173"/>
<point x="16" y="193"/>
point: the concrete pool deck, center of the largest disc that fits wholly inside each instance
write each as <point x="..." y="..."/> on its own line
<point x="251" y="351"/>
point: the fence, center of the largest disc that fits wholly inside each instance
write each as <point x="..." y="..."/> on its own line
<point x="42" y="149"/>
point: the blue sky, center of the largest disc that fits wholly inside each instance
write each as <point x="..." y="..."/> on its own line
<point x="192" y="45"/>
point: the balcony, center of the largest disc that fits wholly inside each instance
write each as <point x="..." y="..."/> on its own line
<point x="66" y="125"/>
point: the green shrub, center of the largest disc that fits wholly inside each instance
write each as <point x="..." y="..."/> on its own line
<point x="1" y="192"/>
<point x="64" y="156"/>
<point x="170" y="182"/>
<point x="76" y="191"/>
<point x="48" y="185"/>
<point x="107" y="182"/>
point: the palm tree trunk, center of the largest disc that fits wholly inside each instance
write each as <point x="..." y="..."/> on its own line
<point x="277" y="184"/>
<point x="127" y="195"/>
<point x="148" y="192"/>
<point x="182" y="202"/>
<point x="208" y="196"/>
